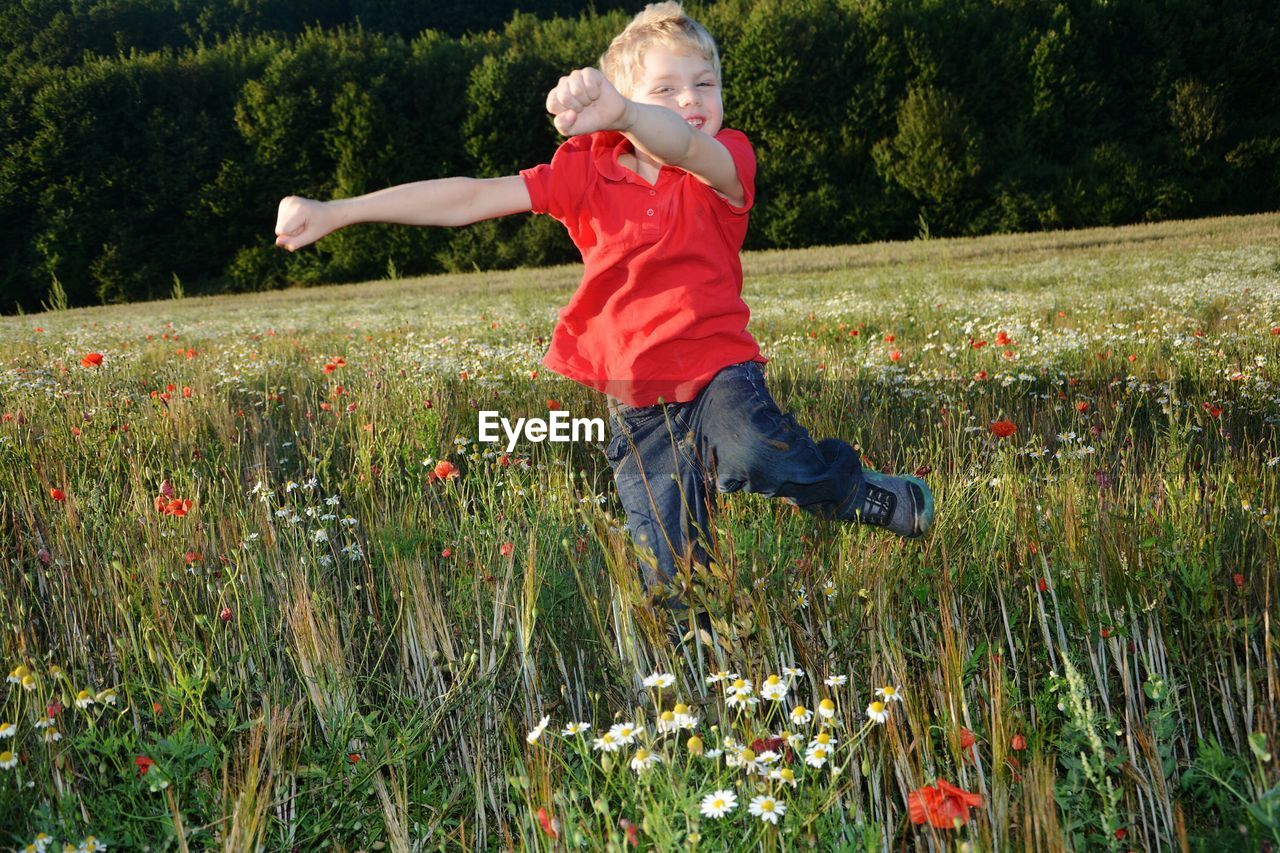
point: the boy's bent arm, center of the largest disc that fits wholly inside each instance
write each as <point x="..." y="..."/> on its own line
<point x="667" y="138"/>
<point x="445" y="201"/>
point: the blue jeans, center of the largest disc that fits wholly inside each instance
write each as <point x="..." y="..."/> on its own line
<point x="670" y="460"/>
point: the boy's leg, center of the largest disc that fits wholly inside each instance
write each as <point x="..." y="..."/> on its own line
<point x="662" y="486"/>
<point x="750" y="444"/>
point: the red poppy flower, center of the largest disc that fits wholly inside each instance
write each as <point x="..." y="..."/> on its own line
<point x="1003" y="339"/>
<point x="353" y="757"/>
<point x="1214" y="411"/>
<point x="895" y="355"/>
<point x="1238" y="579"/>
<point x="93" y="359"/>
<point x="1275" y="330"/>
<point x="944" y="806"/>
<point x="1018" y="743"/>
<point x="144" y="764"/>
<point x="225" y="614"/>
<point x="980" y="376"/>
<point x="967" y="740"/>
<point x="1003" y="429"/>
<point x="506" y="549"/>
<point x="549" y="825"/>
<point x="445" y="470"/>
<point x="633" y="835"/>
<point x="552" y="404"/>
<point x="1082" y="407"/>
<point x="977" y="344"/>
<point x="57" y="494"/>
<point x="888" y="339"/>
<point x="446" y="553"/>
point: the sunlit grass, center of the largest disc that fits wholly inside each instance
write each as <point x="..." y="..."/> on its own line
<point x="330" y="646"/>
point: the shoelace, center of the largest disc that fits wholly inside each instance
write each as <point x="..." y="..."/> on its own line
<point x="878" y="506"/>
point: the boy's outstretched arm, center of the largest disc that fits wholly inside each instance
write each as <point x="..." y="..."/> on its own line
<point x="446" y="201"/>
<point x="585" y="101"/>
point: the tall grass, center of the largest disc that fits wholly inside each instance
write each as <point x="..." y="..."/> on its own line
<point x="333" y="649"/>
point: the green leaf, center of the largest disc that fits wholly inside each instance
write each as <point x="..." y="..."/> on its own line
<point x="1258" y="745"/>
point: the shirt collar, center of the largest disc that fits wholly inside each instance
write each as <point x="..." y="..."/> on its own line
<point x="608" y="146"/>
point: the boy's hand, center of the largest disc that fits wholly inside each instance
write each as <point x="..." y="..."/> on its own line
<point x="585" y="102"/>
<point x="302" y="221"/>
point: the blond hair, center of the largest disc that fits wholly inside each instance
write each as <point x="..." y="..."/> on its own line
<point x="659" y="25"/>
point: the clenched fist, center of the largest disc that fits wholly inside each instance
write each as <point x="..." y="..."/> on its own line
<point x="302" y="221"/>
<point x="585" y="102"/>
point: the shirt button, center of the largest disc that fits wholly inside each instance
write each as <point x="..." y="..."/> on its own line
<point x="653" y="192"/>
<point x="649" y="211"/>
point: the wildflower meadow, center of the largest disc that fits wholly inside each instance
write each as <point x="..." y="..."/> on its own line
<point x="263" y="588"/>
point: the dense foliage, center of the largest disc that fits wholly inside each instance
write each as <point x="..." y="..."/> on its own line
<point x="146" y="144"/>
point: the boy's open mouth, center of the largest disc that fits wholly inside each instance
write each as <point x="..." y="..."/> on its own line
<point x="696" y="121"/>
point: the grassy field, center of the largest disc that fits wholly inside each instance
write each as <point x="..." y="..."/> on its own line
<point x="241" y="611"/>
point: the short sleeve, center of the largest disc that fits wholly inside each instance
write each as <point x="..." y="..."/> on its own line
<point x="744" y="160"/>
<point x="554" y="186"/>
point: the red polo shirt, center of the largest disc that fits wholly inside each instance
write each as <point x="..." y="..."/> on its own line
<point x="659" y="311"/>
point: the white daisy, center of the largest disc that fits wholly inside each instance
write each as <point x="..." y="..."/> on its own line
<point x="739" y="685"/>
<point x="575" y="729"/>
<point x="626" y="733"/>
<point x="793" y="672"/>
<point x="107" y="697"/>
<point x="719" y="803"/>
<point x="745" y="758"/>
<point x="816" y="757"/>
<point x="84" y="699"/>
<point x="741" y="699"/>
<point x="8" y="730"/>
<point x="644" y="759"/>
<point x="829" y="589"/>
<point x="774" y="689"/>
<point x="823" y="740"/>
<point x="784" y="775"/>
<point x="607" y="742"/>
<point x="889" y="693"/>
<point x="684" y="719"/>
<point x="667" y="722"/>
<point x="826" y="709"/>
<point x="52" y="736"/>
<point x="836" y="680"/>
<point x="801" y="715"/>
<point x="768" y="809"/>
<point x="660" y="680"/>
<point x="716" y="677"/>
<point x="537" y="730"/>
<point x="8" y="759"/>
<point x="713" y="753"/>
<point x="878" y="712"/>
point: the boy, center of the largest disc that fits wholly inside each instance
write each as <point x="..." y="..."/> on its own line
<point x="655" y="195"/>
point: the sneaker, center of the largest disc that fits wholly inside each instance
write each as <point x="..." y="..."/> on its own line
<point x="903" y="505"/>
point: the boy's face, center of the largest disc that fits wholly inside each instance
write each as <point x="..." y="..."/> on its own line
<point x="682" y="82"/>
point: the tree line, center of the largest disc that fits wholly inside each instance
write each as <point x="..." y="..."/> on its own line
<point x="145" y="144"/>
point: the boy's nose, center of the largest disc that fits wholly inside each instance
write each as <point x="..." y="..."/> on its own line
<point x="689" y="96"/>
